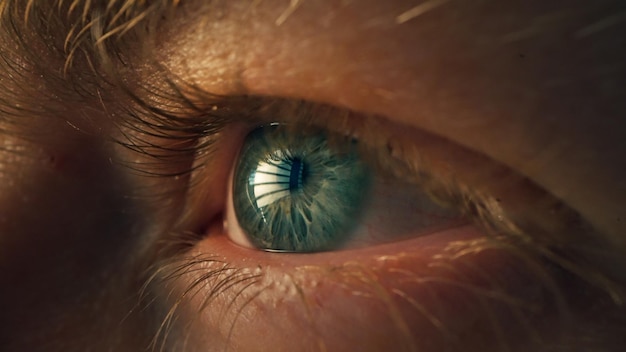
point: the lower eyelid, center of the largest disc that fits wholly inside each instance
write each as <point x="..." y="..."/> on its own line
<point x="429" y="286"/>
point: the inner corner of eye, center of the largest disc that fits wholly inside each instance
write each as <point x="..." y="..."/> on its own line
<point x="300" y="192"/>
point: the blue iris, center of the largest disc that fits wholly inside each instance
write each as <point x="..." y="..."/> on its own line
<point x="298" y="193"/>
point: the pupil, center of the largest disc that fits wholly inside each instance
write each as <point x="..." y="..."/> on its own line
<point x="296" y="176"/>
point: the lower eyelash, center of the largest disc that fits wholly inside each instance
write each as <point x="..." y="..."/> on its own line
<point x="210" y="278"/>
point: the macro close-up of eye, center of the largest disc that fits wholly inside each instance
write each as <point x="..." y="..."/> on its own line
<point x="312" y="175"/>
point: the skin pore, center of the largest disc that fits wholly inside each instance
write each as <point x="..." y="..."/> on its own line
<point x="111" y="229"/>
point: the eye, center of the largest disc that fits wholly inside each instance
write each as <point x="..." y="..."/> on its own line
<point x="296" y="191"/>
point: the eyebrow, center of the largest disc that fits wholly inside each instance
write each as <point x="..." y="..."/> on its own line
<point x="57" y="44"/>
<point x="60" y="55"/>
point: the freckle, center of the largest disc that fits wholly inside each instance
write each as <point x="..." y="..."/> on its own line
<point x="56" y="163"/>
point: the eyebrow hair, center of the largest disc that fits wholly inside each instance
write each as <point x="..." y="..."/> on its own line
<point x="90" y="27"/>
<point x="81" y="42"/>
<point x="57" y="54"/>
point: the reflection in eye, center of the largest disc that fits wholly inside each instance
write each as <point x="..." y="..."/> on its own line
<point x="301" y="192"/>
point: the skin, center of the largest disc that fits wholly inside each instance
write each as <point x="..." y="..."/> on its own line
<point x="533" y="88"/>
